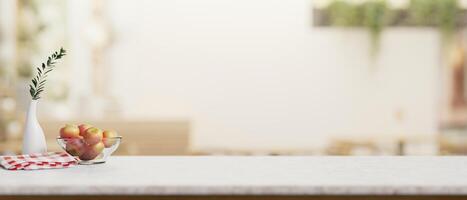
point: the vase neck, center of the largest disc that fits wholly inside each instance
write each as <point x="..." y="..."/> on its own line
<point x="33" y="107"/>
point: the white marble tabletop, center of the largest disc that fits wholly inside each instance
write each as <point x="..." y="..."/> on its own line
<point x="247" y="176"/>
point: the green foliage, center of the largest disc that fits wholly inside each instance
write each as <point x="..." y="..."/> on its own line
<point x="375" y="19"/>
<point x="441" y="13"/>
<point x="422" y="12"/>
<point x="38" y="82"/>
<point x="344" y="13"/>
<point x="372" y="14"/>
<point x="375" y="15"/>
<point x="448" y="13"/>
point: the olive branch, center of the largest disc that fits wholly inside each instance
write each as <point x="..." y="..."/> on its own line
<point x="38" y="82"/>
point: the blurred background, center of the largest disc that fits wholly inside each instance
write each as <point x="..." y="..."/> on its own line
<point x="243" y="77"/>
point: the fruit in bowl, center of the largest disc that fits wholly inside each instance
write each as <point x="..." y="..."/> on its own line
<point x="108" y="135"/>
<point x="75" y="147"/>
<point x="92" y="136"/>
<point x="83" y="128"/>
<point x="69" y="131"/>
<point x="92" y="151"/>
<point x="88" y="144"/>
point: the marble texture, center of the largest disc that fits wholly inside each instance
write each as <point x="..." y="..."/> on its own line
<point x="218" y="175"/>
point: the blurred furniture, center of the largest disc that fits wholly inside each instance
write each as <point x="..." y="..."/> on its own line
<point x="384" y="144"/>
<point x="453" y="140"/>
<point x="241" y="177"/>
<point x="139" y="137"/>
<point x="350" y="147"/>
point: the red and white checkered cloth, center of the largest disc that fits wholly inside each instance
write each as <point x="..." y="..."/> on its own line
<point x="51" y="160"/>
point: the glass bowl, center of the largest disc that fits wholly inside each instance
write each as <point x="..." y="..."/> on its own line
<point x="87" y="154"/>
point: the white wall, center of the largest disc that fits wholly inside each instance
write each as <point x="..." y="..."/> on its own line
<point x="256" y="74"/>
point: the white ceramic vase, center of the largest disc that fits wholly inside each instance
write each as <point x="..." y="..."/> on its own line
<point x="33" y="138"/>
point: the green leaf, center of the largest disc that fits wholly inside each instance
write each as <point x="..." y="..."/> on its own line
<point x="38" y="82"/>
<point x="34" y="81"/>
<point x="31" y="90"/>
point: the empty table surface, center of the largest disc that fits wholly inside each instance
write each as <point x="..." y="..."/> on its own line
<point x="235" y="175"/>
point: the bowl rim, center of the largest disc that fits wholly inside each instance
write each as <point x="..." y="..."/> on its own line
<point x="61" y="138"/>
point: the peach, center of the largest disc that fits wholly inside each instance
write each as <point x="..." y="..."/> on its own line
<point x="108" y="138"/>
<point x="83" y="128"/>
<point x="92" y="151"/>
<point x="69" y="131"/>
<point x="92" y="136"/>
<point x="75" y="147"/>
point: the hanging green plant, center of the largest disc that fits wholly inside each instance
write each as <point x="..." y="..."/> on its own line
<point x="375" y="18"/>
<point x="423" y="12"/>
<point x="448" y="12"/>
<point x="440" y="13"/>
<point x="373" y="14"/>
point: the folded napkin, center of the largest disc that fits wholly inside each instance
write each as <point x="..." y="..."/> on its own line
<point x="51" y="160"/>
